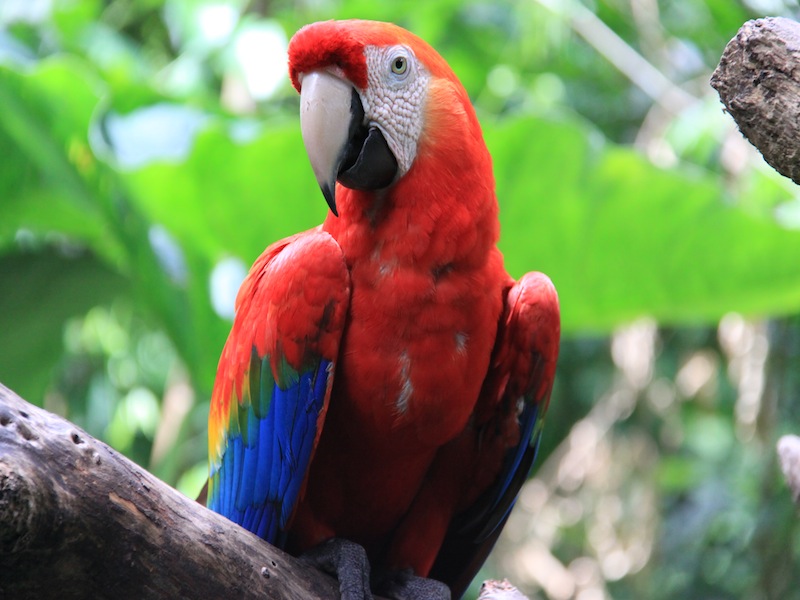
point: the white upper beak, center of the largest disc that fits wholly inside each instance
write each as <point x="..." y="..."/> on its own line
<point x="324" y="123"/>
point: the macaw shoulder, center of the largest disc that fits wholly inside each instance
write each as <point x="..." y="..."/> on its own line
<point x="525" y="354"/>
<point x="293" y="302"/>
<point x="313" y="253"/>
<point x="534" y="328"/>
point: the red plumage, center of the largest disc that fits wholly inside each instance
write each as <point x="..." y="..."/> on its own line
<point x="444" y="363"/>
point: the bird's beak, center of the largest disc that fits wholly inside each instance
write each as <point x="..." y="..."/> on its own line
<point x="339" y="141"/>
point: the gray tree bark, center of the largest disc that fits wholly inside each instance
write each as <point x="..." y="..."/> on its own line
<point x="758" y="81"/>
<point x="789" y="456"/>
<point x="79" y="520"/>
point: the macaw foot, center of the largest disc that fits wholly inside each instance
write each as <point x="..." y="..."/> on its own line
<point x="345" y="560"/>
<point x="348" y="562"/>
<point x="404" y="585"/>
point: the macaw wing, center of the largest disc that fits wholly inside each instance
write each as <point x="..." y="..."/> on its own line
<point x="274" y="381"/>
<point x="509" y="416"/>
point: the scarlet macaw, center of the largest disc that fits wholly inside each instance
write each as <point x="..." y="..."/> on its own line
<point x="385" y="379"/>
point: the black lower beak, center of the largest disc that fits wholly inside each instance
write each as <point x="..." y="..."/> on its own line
<point x="366" y="161"/>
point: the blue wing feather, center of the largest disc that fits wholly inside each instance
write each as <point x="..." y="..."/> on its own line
<point x="518" y="459"/>
<point x="267" y="410"/>
<point x="263" y="469"/>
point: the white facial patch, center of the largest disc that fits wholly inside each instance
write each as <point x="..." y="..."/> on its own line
<point x="394" y="99"/>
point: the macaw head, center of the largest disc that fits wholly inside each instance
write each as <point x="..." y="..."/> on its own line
<point x="374" y="99"/>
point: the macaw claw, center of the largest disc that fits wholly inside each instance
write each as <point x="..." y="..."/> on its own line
<point x="348" y="562"/>
<point x="404" y="585"/>
<point x="345" y="560"/>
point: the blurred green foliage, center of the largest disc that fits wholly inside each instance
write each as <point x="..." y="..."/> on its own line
<point x="151" y="150"/>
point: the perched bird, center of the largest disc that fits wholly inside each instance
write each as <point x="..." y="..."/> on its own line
<point x="385" y="379"/>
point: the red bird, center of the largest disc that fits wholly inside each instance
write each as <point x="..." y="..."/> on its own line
<point x="385" y="379"/>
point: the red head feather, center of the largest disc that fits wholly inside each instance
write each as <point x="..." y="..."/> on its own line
<point x="342" y="43"/>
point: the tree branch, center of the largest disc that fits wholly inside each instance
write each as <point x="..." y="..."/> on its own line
<point x="758" y="81"/>
<point x="500" y="590"/>
<point x="78" y="520"/>
<point x="789" y="455"/>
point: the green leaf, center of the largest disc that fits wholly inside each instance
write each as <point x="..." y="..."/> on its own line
<point x="55" y="184"/>
<point x="622" y="238"/>
<point x="227" y="198"/>
<point x="233" y="198"/>
<point x="49" y="178"/>
<point x="40" y="292"/>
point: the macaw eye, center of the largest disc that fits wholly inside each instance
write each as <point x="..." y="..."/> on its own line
<point x="399" y="65"/>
